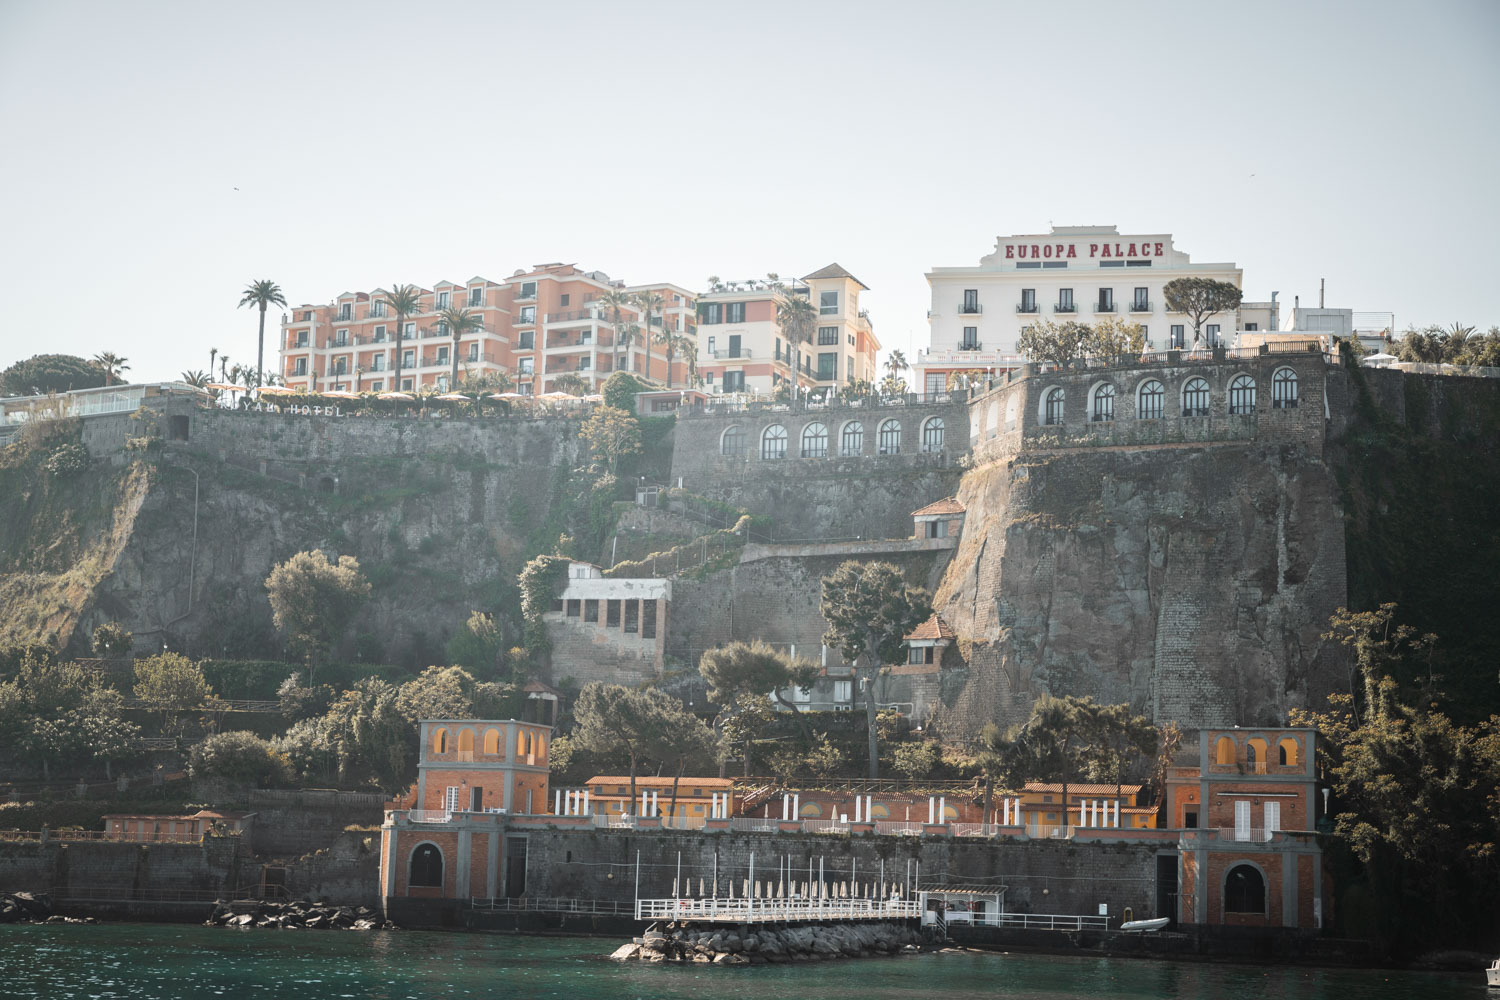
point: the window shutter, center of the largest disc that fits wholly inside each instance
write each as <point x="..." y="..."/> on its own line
<point x="1273" y="817"/>
<point x="1242" y="820"/>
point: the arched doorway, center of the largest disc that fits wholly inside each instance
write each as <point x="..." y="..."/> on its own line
<point x="426" y="869"/>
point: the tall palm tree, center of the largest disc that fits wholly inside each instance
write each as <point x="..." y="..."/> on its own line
<point x="404" y="301"/>
<point x="112" y="364"/>
<point x="797" y="318"/>
<point x="223" y="368"/>
<point x="675" y="344"/>
<point x="459" y="321"/>
<point x="650" y="303"/>
<point x="213" y="352"/>
<point x="196" y="378"/>
<point x="895" y="363"/>
<point x="262" y="294"/>
<point x="615" y="302"/>
<point x="626" y="336"/>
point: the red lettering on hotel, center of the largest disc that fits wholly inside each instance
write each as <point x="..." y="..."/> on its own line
<point x="1158" y="249"/>
<point x="1093" y="249"/>
<point x="1072" y="250"/>
<point x="1010" y="252"/>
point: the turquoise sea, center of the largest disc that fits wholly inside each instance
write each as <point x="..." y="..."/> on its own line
<point x="175" y="962"/>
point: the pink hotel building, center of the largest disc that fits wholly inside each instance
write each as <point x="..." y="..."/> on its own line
<point x="537" y="325"/>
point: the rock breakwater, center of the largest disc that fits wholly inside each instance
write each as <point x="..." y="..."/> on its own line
<point x="313" y="916"/>
<point x="743" y="945"/>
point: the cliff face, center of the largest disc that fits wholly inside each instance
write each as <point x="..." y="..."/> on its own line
<point x="1190" y="581"/>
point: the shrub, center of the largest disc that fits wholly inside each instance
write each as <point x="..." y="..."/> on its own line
<point x="240" y="757"/>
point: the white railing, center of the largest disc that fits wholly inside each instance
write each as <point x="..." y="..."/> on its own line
<point x="604" y="821"/>
<point x="752" y="824"/>
<point x="824" y="826"/>
<point x="1249" y="835"/>
<point x="684" y="822"/>
<point x="1046" y="921"/>
<point x="429" y="815"/>
<point x="898" y="828"/>
<point x="977" y="829"/>
<point x="778" y="910"/>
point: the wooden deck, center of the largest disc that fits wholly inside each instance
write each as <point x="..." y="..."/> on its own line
<point x="777" y="911"/>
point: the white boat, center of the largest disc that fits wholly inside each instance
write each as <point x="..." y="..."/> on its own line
<point x="1493" y="973"/>
<point x="1155" y="924"/>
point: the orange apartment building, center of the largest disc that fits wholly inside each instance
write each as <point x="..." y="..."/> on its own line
<point x="742" y="348"/>
<point x="449" y="839"/>
<point x="536" y="325"/>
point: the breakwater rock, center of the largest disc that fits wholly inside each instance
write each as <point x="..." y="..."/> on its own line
<point x="24" y="907"/>
<point x="314" y="916"/>
<point x="760" y="945"/>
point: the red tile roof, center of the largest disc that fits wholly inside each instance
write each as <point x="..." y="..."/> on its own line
<point x="948" y="505"/>
<point x="933" y="628"/>
<point x="1080" y="788"/>
<point x="652" y="781"/>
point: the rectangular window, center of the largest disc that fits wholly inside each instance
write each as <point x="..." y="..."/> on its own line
<point x="971" y="300"/>
<point x="345" y="311"/>
<point x="1251" y="327"/>
<point x="1028" y="264"/>
<point x="632" y="616"/>
<point x="1177" y="335"/>
<point x="1065" y="300"/>
<point x="971" y="339"/>
<point x="734" y="346"/>
<point x="648" y="619"/>
<point x="584" y="364"/>
<point x="528" y="314"/>
<point x="562" y="299"/>
<point x="377" y="309"/>
<point x="450" y="798"/>
<point x="1106" y="300"/>
<point x="575" y="608"/>
<point x="936" y="382"/>
<point x="528" y="340"/>
<point x="1141" y="300"/>
<point x="734" y="381"/>
<point x="828" y="367"/>
<point x="380" y="334"/>
<point x="713" y="312"/>
<point x="442" y="356"/>
<point x="406" y="385"/>
<point x="341" y="338"/>
<point x="843" y="692"/>
<point x="528" y="366"/>
<point x="915" y="654"/>
<point x="378" y="385"/>
<point x="1212" y="332"/>
<point x="1242" y="820"/>
<point x="735" y="312"/>
<point x="591" y="611"/>
<point x="473" y="352"/>
<point x="476" y="296"/>
<point x="301" y="338"/>
<point x="1273" y="817"/>
<point x="1111" y="263"/>
<point x="442" y="300"/>
<point x="828" y="303"/>
<point x="408" y="359"/>
<point x="611" y="614"/>
<point x="1138" y="263"/>
<point x="1054" y="263"/>
<point x="827" y="335"/>
<point x="1028" y="300"/>
<point x="411" y="329"/>
<point x="301" y="368"/>
<point x="528" y="290"/>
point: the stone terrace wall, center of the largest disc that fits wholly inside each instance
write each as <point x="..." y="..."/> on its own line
<point x="836" y="497"/>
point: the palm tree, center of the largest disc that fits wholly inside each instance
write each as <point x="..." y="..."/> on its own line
<point x="213" y="352"/>
<point x="616" y="300"/>
<point x="404" y="301"/>
<point x="196" y="378"/>
<point x="460" y="321"/>
<point x="262" y="294"/>
<point x="223" y="368"/>
<point x="649" y="303"/>
<point x="895" y="363"/>
<point x="626" y="336"/>
<point x="676" y="344"/>
<point x="797" y="318"/>
<point x="112" y="364"/>
<point x="359" y="374"/>
<point x="571" y="382"/>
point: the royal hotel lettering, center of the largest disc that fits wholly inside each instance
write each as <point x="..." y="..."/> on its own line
<point x="1056" y="251"/>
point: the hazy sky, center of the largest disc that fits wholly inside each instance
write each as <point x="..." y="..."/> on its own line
<point x="156" y="157"/>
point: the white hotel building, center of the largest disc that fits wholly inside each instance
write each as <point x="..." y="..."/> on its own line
<point x="1082" y="273"/>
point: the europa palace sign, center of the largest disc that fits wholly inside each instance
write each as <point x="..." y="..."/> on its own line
<point x="1065" y="251"/>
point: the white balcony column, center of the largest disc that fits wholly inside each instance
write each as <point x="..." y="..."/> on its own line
<point x="557" y="795"/>
<point x="797" y="805"/>
<point x="585" y="802"/>
<point x="942" y="815"/>
<point x="931" y="805"/>
<point x="786" y="806"/>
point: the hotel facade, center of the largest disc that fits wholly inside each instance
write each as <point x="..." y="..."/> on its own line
<point x="535" y="326"/>
<point x="1080" y="273"/>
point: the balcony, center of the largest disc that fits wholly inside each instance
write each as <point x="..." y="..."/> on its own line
<point x="524" y="320"/>
<point x="575" y="316"/>
<point x="970" y="345"/>
<point x="1064" y="307"/>
<point x="1026" y="307"/>
<point x="525" y="296"/>
<point x="1141" y="306"/>
<point x="743" y="352"/>
<point x="970" y="309"/>
<point x="1104" y="307"/>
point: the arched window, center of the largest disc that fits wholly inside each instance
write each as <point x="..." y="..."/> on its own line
<point x="852" y="440"/>
<point x="492" y="741"/>
<point x="1224" y="750"/>
<point x="1148" y="404"/>
<point x="815" y="441"/>
<point x="932" y="434"/>
<point x="520" y="744"/>
<point x="889" y="437"/>
<point x="1284" y="389"/>
<point x="541" y="749"/>
<point x="1252" y="753"/>
<point x="1195" y="398"/>
<point x="1242" y="395"/>
<point x="733" y="441"/>
<point x="992" y="417"/>
<point x="1010" y="413"/>
<point x="426" y="867"/>
<point x="1287" y="752"/>
<point x="1052" y="411"/>
<point x="773" y="442"/>
<point x="1244" y="890"/>
<point x="466" y="740"/>
<point x="440" y="740"/>
<point x="1104" y="403"/>
<point x="531" y="743"/>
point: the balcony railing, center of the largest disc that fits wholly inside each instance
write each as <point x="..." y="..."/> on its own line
<point x="970" y="345"/>
<point x="970" y="309"/>
<point x="1141" y="306"/>
<point x="1026" y="308"/>
<point x="1251" y="835"/>
<point x="1104" y="307"/>
<point x="1065" y="307"/>
<point x="429" y="815"/>
<point x="525" y="320"/>
<point x="574" y="316"/>
<point x="743" y="352"/>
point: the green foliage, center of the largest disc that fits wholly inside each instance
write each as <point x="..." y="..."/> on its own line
<point x="611" y="435"/>
<point x="476" y="645"/>
<point x="68" y="459"/>
<point x="313" y="599"/>
<point x="916" y="759"/>
<point x="170" y="683"/>
<point x="1044" y="340"/>
<point x="1457" y="344"/>
<point x="1112" y="337"/>
<point x="453" y="693"/>
<point x="301" y="702"/>
<point x="113" y="640"/>
<point x="825" y="758"/>
<point x="241" y="758"/>
<point x="1200" y="298"/>
<point x="46" y="373"/>
<point x="1066" y="739"/>
<point x="649" y="724"/>
<point x="741" y="673"/>
<point x="540" y="581"/>
<point x="619" y="391"/>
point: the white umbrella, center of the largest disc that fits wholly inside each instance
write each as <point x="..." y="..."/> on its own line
<point x="394" y="395"/>
<point x="277" y="390"/>
<point x="1379" y="359"/>
<point x="453" y="397"/>
<point x="509" y="395"/>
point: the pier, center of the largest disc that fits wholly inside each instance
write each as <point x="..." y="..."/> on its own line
<point x="776" y="911"/>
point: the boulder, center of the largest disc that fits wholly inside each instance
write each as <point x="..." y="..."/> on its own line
<point x="626" y="952"/>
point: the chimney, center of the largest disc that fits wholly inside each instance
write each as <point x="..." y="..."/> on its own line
<point x="1321" y="283"/>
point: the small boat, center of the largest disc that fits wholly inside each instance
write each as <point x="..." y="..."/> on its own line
<point x="1492" y="974"/>
<point x="1154" y="924"/>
